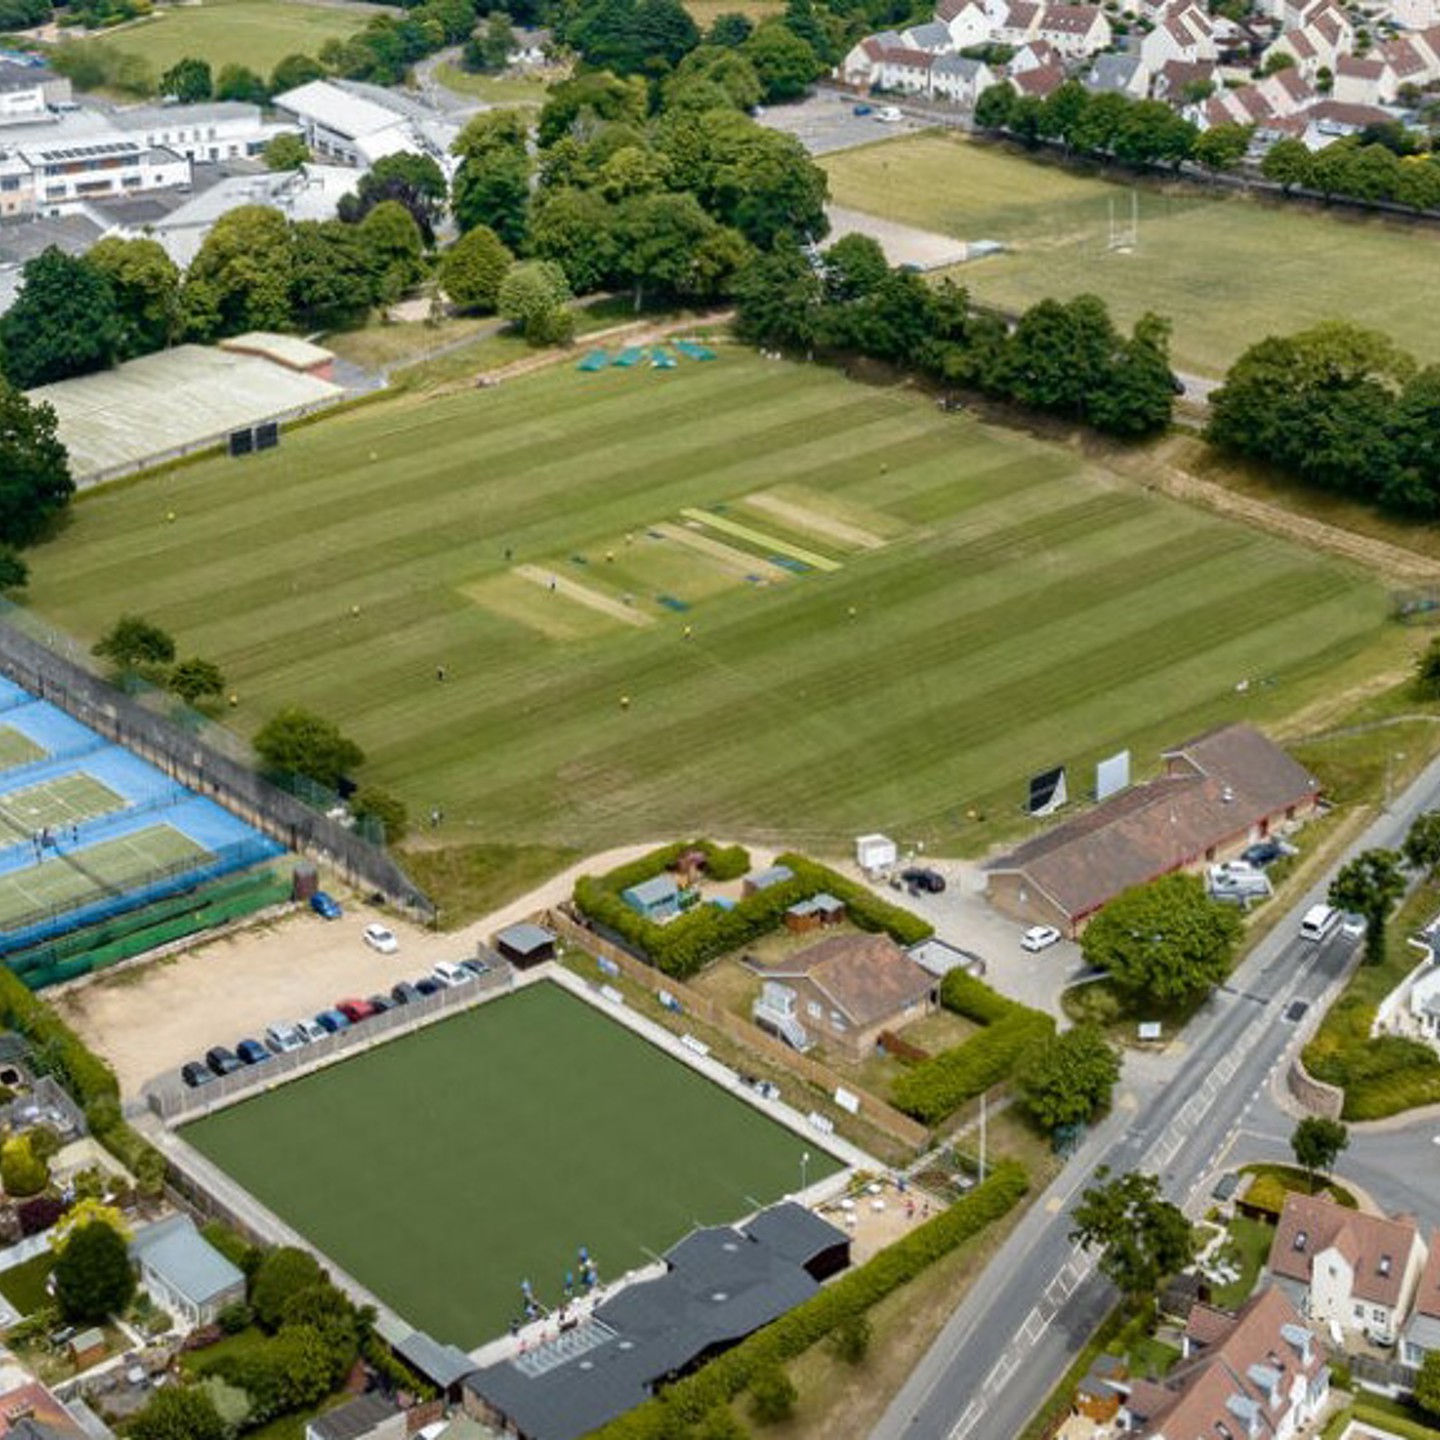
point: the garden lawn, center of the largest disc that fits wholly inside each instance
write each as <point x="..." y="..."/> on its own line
<point x="488" y="1148"/>
<point x="1226" y="269"/>
<point x="257" y="33"/>
<point x="994" y="606"/>
<point x="24" y="1285"/>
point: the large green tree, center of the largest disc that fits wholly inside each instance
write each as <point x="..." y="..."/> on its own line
<point x="196" y="679"/>
<point x="294" y="71"/>
<point x="179" y="1412"/>
<point x="239" y="82"/>
<point x="1068" y="1078"/>
<point x="332" y="279"/>
<point x="64" y="322"/>
<point x="188" y="81"/>
<point x="285" y="1272"/>
<point x="93" y="1275"/>
<point x="1427" y="1385"/>
<point x="135" y="643"/>
<point x="576" y="229"/>
<point x="785" y="64"/>
<point x="35" y="480"/>
<point x="295" y="741"/>
<point x="414" y="181"/>
<point x="534" y="297"/>
<point x="1370" y="885"/>
<point x="492" y="184"/>
<point x="241" y="277"/>
<point x="1140" y="1236"/>
<point x="1167" y="941"/>
<point x="474" y="268"/>
<point x="1422" y="844"/>
<point x="145" y="282"/>
<point x="1318" y="1141"/>
<point x="394" y="249"/>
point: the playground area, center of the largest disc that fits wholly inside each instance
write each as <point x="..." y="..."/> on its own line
<point x="88" y="830"/>
<point x="486" y="1150"/>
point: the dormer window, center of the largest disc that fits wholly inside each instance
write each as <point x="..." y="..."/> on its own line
<point x="1301" y="1239"/>
<point x="1384" y="1265"/>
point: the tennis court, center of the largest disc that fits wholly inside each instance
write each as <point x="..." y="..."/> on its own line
<point x="56" y="804"/>
<point x="487" y="1149"/>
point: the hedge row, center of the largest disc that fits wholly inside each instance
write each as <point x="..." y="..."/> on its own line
<point x="937" y="1088"/>
<point x="682" y="946"/>
<point x="846" y="1299"/>
<point x="963" y="994"/>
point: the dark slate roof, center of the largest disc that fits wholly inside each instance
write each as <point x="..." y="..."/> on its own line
<point x="442" y="1365"/>
<point x="524" y="938"/>
<point x="355" y="1420"/>
<point x="22" y="240"/>
<point x="792" y="1231"/>
<point x="722" y="1284"/>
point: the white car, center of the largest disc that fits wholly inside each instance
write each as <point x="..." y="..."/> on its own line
<point x="378" y="937"/>
<point x="1039" y="937"/>
<point x="888" y="115"/>
<point x="283" y="1037"/>
<point x="449" y="974"/>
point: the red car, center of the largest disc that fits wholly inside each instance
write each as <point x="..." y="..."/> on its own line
<point x="355" y="1010"/>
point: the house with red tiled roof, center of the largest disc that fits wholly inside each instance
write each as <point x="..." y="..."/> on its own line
<point x="1259" y="1372"/>
<point x="1421" y="1334"/>
<point x="1184" y="34"/>
<point x="1354" y="1273"/>
<point x="1363" y="80"/>
<point x="1217" y="794"/>
<point x="30" y="1410"/>
<point x="1074" y="30"/>
<point x="843" y="992"/>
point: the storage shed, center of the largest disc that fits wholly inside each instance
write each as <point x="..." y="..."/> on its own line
<point x="656" y="899"/>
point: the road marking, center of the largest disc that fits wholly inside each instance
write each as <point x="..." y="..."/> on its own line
<point x="1001" y="1371"/>
<point x="966" y="1423"/>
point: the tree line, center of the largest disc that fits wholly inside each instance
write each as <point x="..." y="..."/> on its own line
<point x="1381" y="165"/>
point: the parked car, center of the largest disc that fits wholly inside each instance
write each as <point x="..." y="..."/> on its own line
<point x="355" y="1010"/>
<point x="332" y="1021"/>
<point x="476" y="967"/>
<point x="1266" y="852"/>
<point x="196" y="1073"/>
<point x="222" y="1061"/>
<point x="404" y="993"/>
<point x="863" y="109"/>
<point x="429" y="985"/>
<point x="283" y="1037"/>
<point x="309" y="1031"/>
<point x="888" y="115"/>
<point x="1039" y="937"/>
<point x="381" y="938"/>
<point x="252" y="1052"/>
<point x="379" y="1004"/>
<point x="920" y="878"/>
<point x="449" y="974"/>
<point x="327" y="907"/>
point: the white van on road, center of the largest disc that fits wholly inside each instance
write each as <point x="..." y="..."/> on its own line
<point x="1319" y="923"/>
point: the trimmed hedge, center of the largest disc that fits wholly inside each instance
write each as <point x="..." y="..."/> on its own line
<point x="725" y="1377"/>
<point x="682" y="946"/>
<point x="940" y="1086"/>
<point x="963" y="994"/>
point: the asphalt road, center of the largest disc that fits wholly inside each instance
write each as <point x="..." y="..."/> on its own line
<point x="1010" y="1341"/>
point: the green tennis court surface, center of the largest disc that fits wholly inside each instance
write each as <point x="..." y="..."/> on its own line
<point x="72" y="877"/>
<point x="56" y="804"/>
<point x="443" y="1169"/>
<point x="17" y="749"/>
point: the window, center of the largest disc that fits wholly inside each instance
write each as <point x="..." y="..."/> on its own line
<point x="1359" y="1312"/>
<point x="10" y="182"/>
<point x="815" y="1010"/>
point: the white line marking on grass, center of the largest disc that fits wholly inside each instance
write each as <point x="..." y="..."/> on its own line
<point x="758" y="537"/>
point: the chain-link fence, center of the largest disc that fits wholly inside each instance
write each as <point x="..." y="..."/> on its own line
<point x="53" y="671"/>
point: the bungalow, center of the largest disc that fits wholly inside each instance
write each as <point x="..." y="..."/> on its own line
<point x="1257" y="1372"/>
<point x="183" y="1273"/>
<point x="846" y="990"/>
<point x="656" y="899"/>
<point x="1421" y="1334"/>
<point x="1217" y="794"/>
<point x="1354" y="1272"/>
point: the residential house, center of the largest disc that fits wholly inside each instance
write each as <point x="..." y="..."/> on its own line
<point x="845" y="990"/>
<point x="1177" y="82"/>
<point x="1036" y="55"/>
<point x="1017" y="23"/>
<point x="28" y="1411"/>
<point x="1218" y="793"/>
<point x="862" y="64"/>
<point x="1421" y="1334"/>
<point x="967" y="22"/>
<point x="1126" y="75"/>
<point x="1039" y="81"/>
<point x="1353" y="1272"/>
<point x="933" y="38"/>
<point x="367" y="1417"/>
<point x="1259" y="1372"/>
<point x="960" y="81"/>
<point x="1414" y="14"/>
<point x="906" y="70"/>
<point x="183" y="1273"/>
<point x="531" y="47"/>
<point x="1184" y="34"/>
<point x="1424" y="1006"/>
<point x="1364" y="80"/>
<point x="1330" y="120"/>
<point x="1074" y="30"/>
<point x="1410" y="61"/>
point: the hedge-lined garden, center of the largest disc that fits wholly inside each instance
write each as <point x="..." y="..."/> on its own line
<point x="840" y="1303"/>
<point x="936" y="1088"/>
<point x="683" y="946"/>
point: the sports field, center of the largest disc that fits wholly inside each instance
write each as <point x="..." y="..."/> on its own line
<point x="987" y="604"/>
<point x="488" y="1148"/>
<point x="257" y="33"/>
<point x="1226" y="270"/>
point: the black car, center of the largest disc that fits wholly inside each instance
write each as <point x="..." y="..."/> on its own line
<point x="428" y="985"/>
<point x="404" y="993"/>
<point x="195" y="1074"/>
<point x="222" y="1061"/>
<point x="930" y="881"/>
<point x="476" y="967"/>
<point x="379" y="1004"/>
<point x="1262" y="853"/>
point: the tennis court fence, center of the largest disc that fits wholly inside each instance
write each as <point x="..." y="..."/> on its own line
<point x="193" y="761"/>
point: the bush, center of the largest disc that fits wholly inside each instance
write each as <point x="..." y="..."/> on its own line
<point x="22" y="1172"/>
<point x="38" y="1215"/>
<point x="772" y="1396"/>
<point x="283" y="1272"/>
<point x="235" y="1248"/>
<point x="939" y="1086"/>
<point x="234" y="1318"/>
<point x="851" y="1340"/>
<point x="974" y="999"/>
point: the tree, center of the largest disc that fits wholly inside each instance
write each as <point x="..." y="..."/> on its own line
<point x="294" y="71"/>
<point x="492" y="188"/>
<point x="1427" y="671"/>
<point x="535" y="298"/>
<point x="332" y="274"/>
<point x="662" y="240"/>
<point x="784" y="63"/>
<point x="730" y="30"/>
<point x="394" y="250"/>
<point x="35" y="480"/>
<point x="22" y="1172"/>
<point x="1288" y="163"/>
<point x="772" y="1395"/>
<point x="1427" y="1385"/>
<point x="145" y="282"/>
<point x="1141" y="1237"/>
<point x="14" y="572"/>
<point x="1370" y="885"/>
<point x="188" y="81"/>
<point x="64" y="322"/>
<point x="194" y="680"/>
<point x="1068" y="1078"/>
<point x="90" y="1210"/>
<point x="855" y="267"/>
<point x="415" y="181"/>
<point x="179" y="1412"/>
<point x="473" y="269"/>
<point x="297" y="742"/>
<point x="992" y="109"/>
<point x="387" y="810"/>
<point x="1165" y="942"/>
<point x="134" y="643"/>
<point x="851" y="1338"/>
<point x="1223" y="147"/>
<point x="239" y="82"/>
<point x="1422" y="845"/>
<point x="491" y="47"/>
<point x="284" y="1273"/>
<point x="93" y="1278"/>
<point x="240" y="279"/>
<point x="286" y="152"/>
<point x="1317" y="1142"/>
<point x="1137" y="395"/>
<point x="577" y="230"/>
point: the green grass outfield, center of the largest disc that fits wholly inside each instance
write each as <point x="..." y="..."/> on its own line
<point x="1226" y="269"/>
<point x="442" y="1169"/>
<point x="1012" y="607"/>
<point x="257" y="33"/>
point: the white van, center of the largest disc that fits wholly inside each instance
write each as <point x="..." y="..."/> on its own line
<point x="889" y="115"/>
<point x="1319" y="922"/>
